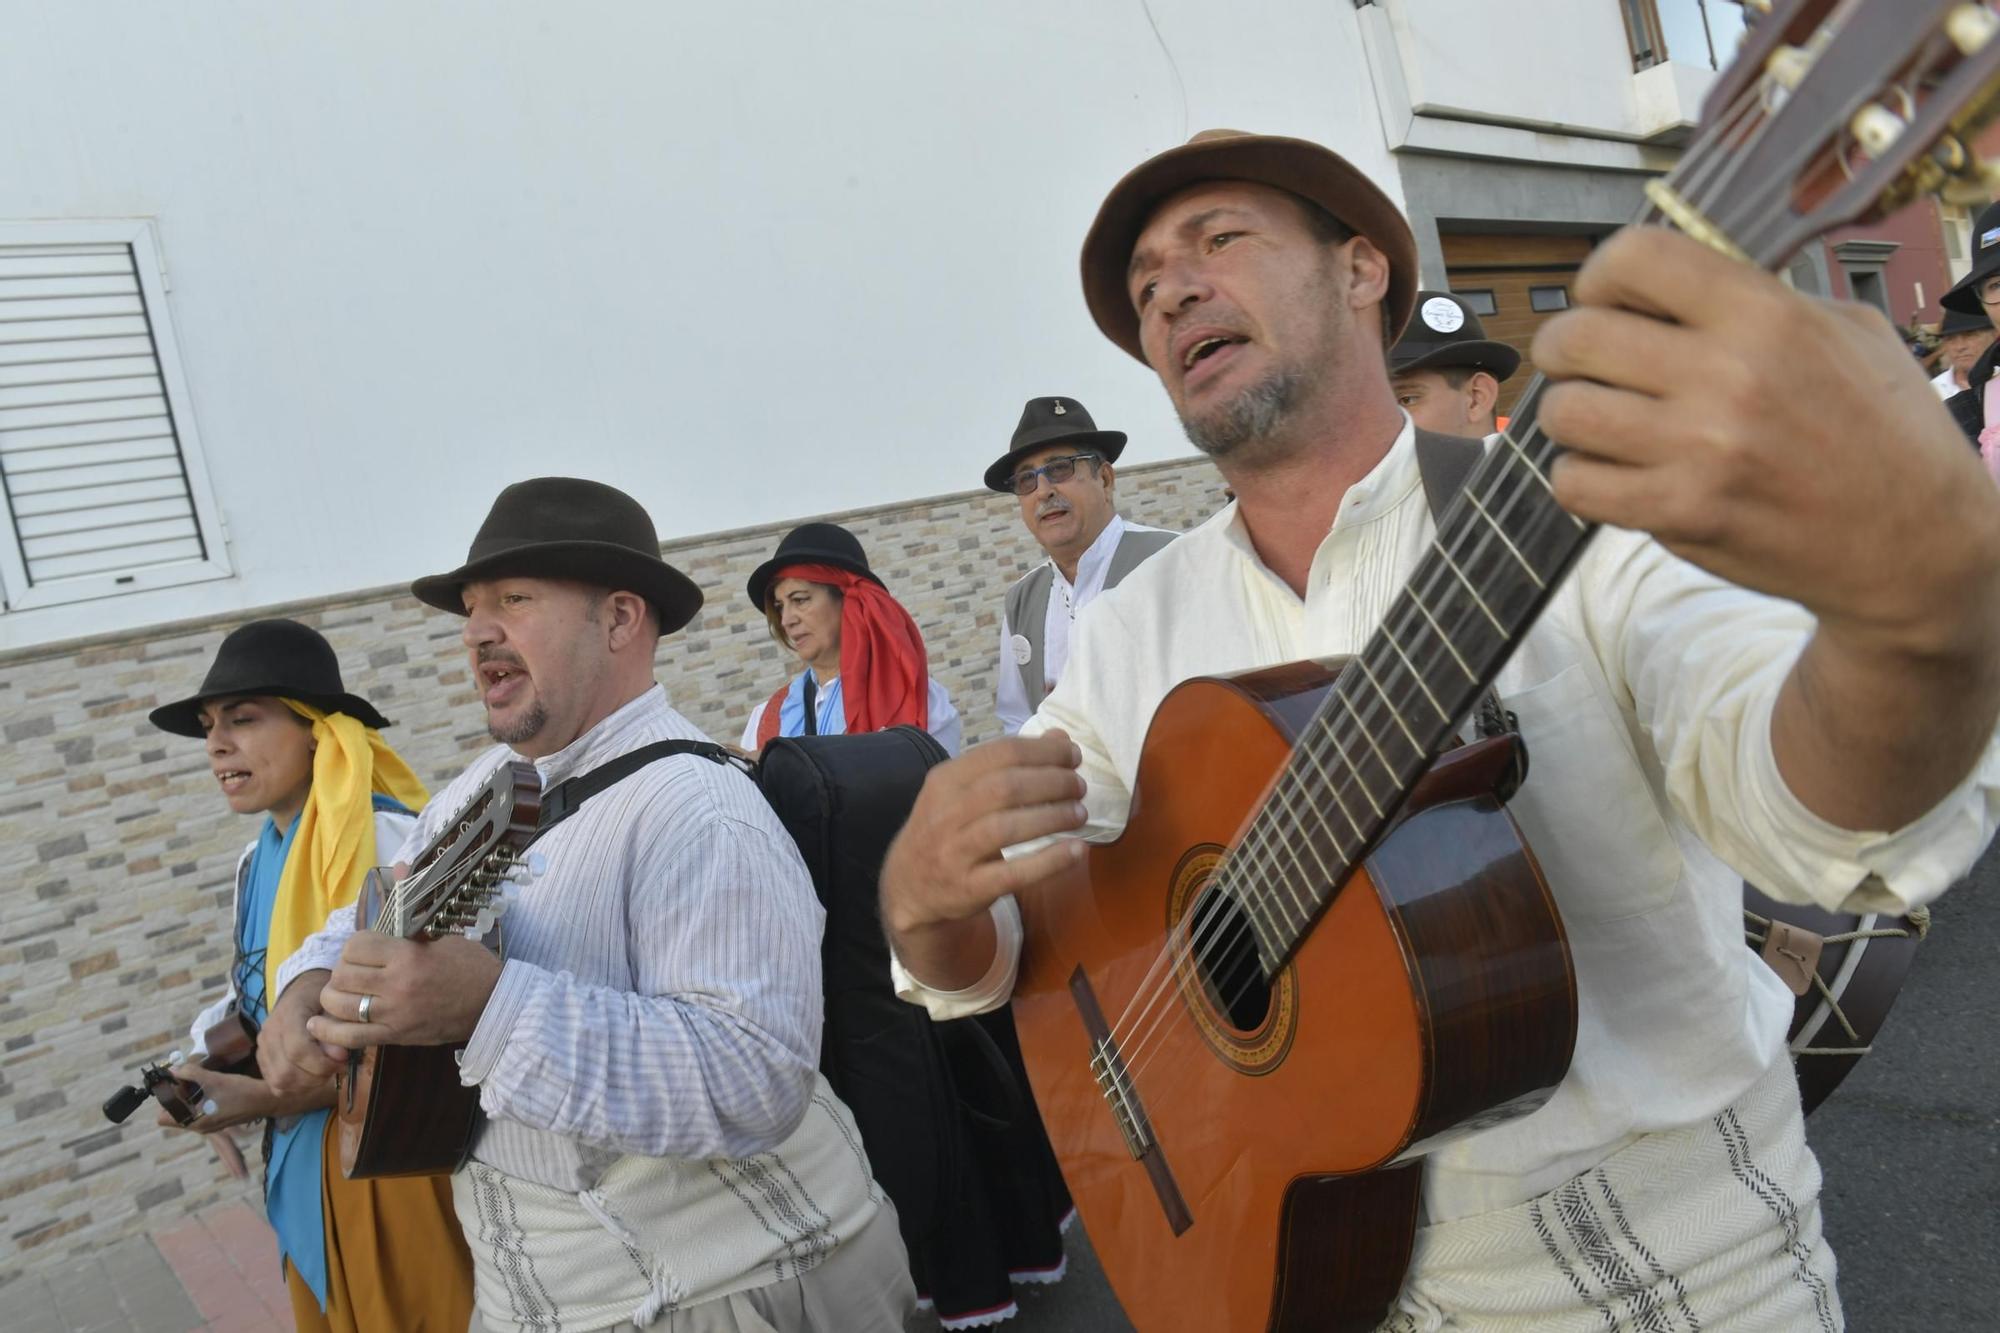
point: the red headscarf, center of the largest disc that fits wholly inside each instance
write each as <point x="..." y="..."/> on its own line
<point x="885" y="676"/>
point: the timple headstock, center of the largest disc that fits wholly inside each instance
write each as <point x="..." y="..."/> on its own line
<point x="464" y="879"/>
<point x="1838" y="111"/>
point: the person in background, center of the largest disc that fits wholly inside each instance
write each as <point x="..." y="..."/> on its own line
<point x="864" y="657"/>
<point x="1977" y="409"/>
<point x="1962" y="340"/>
<point x="1059" y="465"/>
<point x="286" y="741"/>
<point x="1446" y="372"/>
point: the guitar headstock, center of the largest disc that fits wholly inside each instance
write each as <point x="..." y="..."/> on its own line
<point x="1836" y="112"/>
<point x="465" y="878"/>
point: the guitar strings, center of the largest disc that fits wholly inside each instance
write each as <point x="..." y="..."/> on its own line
<point x="1255" y="859"/>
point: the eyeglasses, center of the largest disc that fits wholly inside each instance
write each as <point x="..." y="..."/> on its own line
<point x="1057" y="470"/>
<point x="1989" y="291"/>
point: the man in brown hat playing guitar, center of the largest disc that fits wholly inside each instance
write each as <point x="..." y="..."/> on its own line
<point x="658" y="1138"/>
<point x="1795" y="676"/>
<point x="1059" y="465"/>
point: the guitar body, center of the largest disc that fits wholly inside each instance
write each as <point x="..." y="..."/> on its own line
<point x="402" y="1110"/>
<point x="1434" y="995"/>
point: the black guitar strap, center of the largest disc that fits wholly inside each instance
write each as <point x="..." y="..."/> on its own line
<point x="1445" y="462"/>
<point x="561" y="801"/>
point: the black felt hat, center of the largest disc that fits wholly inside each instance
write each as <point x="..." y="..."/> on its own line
<point x="1957" y="321"/>
<point x="269" y="657"/>
<point x="1446" y="334"/>
<point x="1964" y="297"/>
<point x="569" y="528"/>
<point x="1047" y="421"/>
<point x="813" y="544"/>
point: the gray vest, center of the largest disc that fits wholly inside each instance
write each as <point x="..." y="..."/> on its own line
<point x="1028" y="602"/>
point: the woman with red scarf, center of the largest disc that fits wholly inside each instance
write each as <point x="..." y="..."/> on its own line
<point x="865" y="664"/>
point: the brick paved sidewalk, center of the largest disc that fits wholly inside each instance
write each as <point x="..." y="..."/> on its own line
<point x="216" y="1272"/>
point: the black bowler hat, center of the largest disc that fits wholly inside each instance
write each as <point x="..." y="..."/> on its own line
<point x="270" y="657"/>
<point x="813" y="544"/>
<point x="1957" y="321"/>
<point x="569" y="528"/>
<point x="1964" y="297"/>
<point x="1446" y="335"/>
<point x="1047" y="421"/>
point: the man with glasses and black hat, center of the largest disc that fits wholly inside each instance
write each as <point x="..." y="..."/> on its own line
<point x="1445" y="372"/>
<point x="658" y="1139"/>
<point x="1831" y="734"/>
<point x="1059" y="465"/>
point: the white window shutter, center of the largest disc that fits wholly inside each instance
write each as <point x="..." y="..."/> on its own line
<point x="101" y="478"/>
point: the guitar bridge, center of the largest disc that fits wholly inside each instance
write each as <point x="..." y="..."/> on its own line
<point x="1114" y="1082"/>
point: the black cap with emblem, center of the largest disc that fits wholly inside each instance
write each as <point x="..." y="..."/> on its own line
<point x="1444" y="334"/>
<point x="1047" y="421"/>
<point x="1964" y="297"/>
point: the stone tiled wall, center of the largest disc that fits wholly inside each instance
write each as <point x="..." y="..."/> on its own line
<point x="116" y="849"/>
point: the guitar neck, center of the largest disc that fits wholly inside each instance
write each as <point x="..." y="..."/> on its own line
<point x="1499" y="553"/>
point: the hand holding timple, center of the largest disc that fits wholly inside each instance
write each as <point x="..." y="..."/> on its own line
<point x="418" y="992"/>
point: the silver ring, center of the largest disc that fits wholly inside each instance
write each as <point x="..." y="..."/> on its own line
<point x="367" y="1003"/>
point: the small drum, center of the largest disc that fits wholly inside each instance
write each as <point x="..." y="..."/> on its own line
<point x="1846" y="970"/>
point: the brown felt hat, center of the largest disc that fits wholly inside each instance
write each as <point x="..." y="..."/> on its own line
<point x="1296" y="166"/>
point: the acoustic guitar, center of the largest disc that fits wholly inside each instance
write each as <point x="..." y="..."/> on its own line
<point x="1319" y="950"/>
<point x="401" y="1110"/>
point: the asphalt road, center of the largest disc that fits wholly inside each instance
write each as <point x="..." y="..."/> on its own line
<point x="1910" y="1145"/>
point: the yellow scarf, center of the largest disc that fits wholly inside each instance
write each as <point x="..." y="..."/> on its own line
<point x="333" y="845"/>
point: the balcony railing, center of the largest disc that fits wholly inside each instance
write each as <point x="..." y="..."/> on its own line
<point x="1693" y="32"/>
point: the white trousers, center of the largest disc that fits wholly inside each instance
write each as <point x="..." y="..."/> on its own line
<point x="1713" y="1228"/>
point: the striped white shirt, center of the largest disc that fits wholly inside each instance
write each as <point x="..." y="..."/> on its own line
<point x="661" y="994"/>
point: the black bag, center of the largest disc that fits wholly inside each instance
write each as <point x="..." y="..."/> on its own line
<point x="943" y="1108"/>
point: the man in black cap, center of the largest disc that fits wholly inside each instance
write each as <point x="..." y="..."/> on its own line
<point x="1830" y="734"/>
<point x="657" y="1136"/>
<point x="1059" y="465"/>
<point x="1962" y="340"/>
<point x="1445" y="371"/>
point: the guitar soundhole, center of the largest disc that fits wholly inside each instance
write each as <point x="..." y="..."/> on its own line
<point x="1226" y="958"/>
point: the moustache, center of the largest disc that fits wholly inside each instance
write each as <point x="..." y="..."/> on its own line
<point x="488" y="653"/>
<point x="1053" y="505"/>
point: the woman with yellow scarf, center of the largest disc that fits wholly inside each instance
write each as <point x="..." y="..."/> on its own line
<point x="285" y="740"/>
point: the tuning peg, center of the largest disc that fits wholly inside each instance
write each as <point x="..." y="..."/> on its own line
<point x="1971" y="27"/>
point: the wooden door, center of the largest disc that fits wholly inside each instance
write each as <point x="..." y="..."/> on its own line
<point x="1514" y="283"/>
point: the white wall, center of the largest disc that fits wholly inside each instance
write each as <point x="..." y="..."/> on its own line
<point x="1557" y="64"/>
<point x="745" y="261"/>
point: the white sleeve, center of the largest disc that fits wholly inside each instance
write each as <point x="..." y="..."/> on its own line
<point x="1010" y="696"/>
<point x="1704" y="662"/>
<point x="988" y="993"/>
<point x="946" y="725"/>
<point x="749" y="741"/>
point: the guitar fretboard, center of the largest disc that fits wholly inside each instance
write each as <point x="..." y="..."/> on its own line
<point x="1499" y="552"/>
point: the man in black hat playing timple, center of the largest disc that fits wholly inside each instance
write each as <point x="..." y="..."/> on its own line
<point x="1830" y="735"/>
<point x="1059" y="465"/>
<point x="657" y="1133"/>
<point x="1445" y="372"/>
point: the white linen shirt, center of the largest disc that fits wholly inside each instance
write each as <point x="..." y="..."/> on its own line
<point x="1066" y="603"/>
<point x="1644" y="694"/>
<point x="1945" y="384"/>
